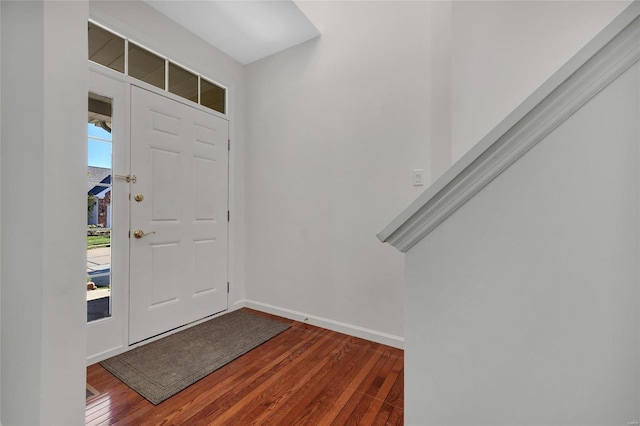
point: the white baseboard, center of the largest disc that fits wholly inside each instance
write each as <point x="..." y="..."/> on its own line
<point x="94" y="359"/>
<point x="340" y="327"/>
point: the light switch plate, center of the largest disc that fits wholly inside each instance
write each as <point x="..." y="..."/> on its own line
<point x="418" y="177"/>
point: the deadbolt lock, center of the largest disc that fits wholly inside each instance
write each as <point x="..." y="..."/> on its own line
<point x="127" y="178"/>
<point x="138" y="197"/>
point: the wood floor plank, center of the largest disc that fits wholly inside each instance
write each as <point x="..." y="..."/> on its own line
<point x="356" y="416"/>
<point x="396" y="418"/>
<point x="383" y="392"/>
<point x="368" y="385"/>
<point x="317" y="393"/>
<point x="275" y="398"/>
<point x="396" y="394"/>
<point x="304" y="376"/>
<point x="270" y="377"/>
<point x="301" y="401"/>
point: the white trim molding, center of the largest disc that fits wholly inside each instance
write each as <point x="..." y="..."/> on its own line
<point x="601" y="61"/>
<point x="337" y="326"/>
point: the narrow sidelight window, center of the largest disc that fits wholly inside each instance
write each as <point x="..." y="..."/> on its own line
<point x="99" y="201"/>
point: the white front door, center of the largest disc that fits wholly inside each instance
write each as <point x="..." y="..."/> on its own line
<point x="178" y="268"/>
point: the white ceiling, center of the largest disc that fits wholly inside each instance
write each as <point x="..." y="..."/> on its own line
<point x="245" y="30"/>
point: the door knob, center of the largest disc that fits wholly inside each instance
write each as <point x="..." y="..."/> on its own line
<point x="140" y="233"/>
<point x="138" y="197"/>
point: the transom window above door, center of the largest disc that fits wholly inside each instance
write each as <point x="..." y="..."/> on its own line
<point x="130" y="58"/>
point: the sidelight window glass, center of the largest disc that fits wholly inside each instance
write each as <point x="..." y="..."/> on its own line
<point x="99" y="202"/>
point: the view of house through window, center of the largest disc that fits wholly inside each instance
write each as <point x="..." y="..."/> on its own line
<point x="99" y="220"/>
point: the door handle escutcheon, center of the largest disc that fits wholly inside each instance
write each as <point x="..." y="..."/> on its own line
<point x="140" y="233"/>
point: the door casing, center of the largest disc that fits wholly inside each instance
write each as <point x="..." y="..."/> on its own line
<point x="110" y="336"/>
<point x="105" y="336"/>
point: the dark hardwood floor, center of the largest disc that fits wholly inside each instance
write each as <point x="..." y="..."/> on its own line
<point x="304" y="376"/>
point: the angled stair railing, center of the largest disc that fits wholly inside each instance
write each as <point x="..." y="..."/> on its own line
<point x="592" y="69"/>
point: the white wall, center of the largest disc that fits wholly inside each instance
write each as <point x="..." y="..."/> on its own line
<point x="146" y="25"/>
<point x="335" y="127"/>
<point x="522" y="306"/>
<point x="0" y="215"/>
<point x="44" y="93"/>
<point x="503" y="50"/>
<point x="440" y="92"/>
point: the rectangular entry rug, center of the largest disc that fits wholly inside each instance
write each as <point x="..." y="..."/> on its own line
<point x="163" y="368"/>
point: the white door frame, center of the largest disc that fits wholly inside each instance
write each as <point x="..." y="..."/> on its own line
<point x="105" y="336"/>
<point x="116" y="335"/>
